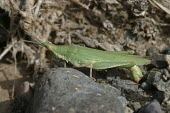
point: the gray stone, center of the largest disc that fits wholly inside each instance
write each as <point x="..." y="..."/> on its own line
<point x="167" y="51"/>
<point x="124" y="101"/>
<point x="65" y="90"/>
<point x="159" y="61"/>
<point x="153" y="107"/>
<point x="157" y="79"/>
<point x="127" y="87"/>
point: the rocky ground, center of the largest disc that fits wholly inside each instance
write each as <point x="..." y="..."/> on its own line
<point x="31" y="80"/>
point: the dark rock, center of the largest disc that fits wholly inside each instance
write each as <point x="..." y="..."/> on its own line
<point x="65" y="90"/>
<point x="118" y="73"/>
<point x="24" y="90"/>
<point x="152" y="51"/>
<point x="19" y="105"/>
<point x="159" y="61"/>
<point x="123" y="84"/>
<point x="145" y="86"/>
<point x="153" y="107"/>
<point x="159" y="96"/>
<point x="157" y="79"/>
<point x="128" y="88"/>
<point x="166" y="51"/>
<point x="23" y="95"/>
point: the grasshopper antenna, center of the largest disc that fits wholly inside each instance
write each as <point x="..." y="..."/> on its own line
<point x="31" y="42"/>
<point x="34" y="37"/>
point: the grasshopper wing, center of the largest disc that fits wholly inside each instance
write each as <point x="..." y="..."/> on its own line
<point x="105" y="65"/>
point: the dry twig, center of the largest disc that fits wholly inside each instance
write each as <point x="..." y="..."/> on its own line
<point x="7" y="50"/>
<point x="160" y="6"/>
<point x="80" y="4"/>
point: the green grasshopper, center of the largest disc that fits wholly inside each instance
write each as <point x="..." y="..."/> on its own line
<point x="98" y="59"/>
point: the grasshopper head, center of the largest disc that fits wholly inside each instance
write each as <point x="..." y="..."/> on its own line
<point x="48" y="45"/>
<point x="45" y="44"/>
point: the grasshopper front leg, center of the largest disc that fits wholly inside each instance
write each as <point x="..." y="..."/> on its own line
<point x="136" y="73"/>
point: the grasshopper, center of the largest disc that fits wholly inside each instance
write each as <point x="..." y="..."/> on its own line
<point x="81" y="56"/>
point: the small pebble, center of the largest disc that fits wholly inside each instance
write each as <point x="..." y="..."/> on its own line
<point x="136" y="106"/>
<point x="167" y="51"/>
<point x="166" y="73"/>
<point x="128" y="110"/>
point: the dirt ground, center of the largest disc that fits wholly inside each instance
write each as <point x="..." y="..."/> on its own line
<point x="10" y="76"/>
